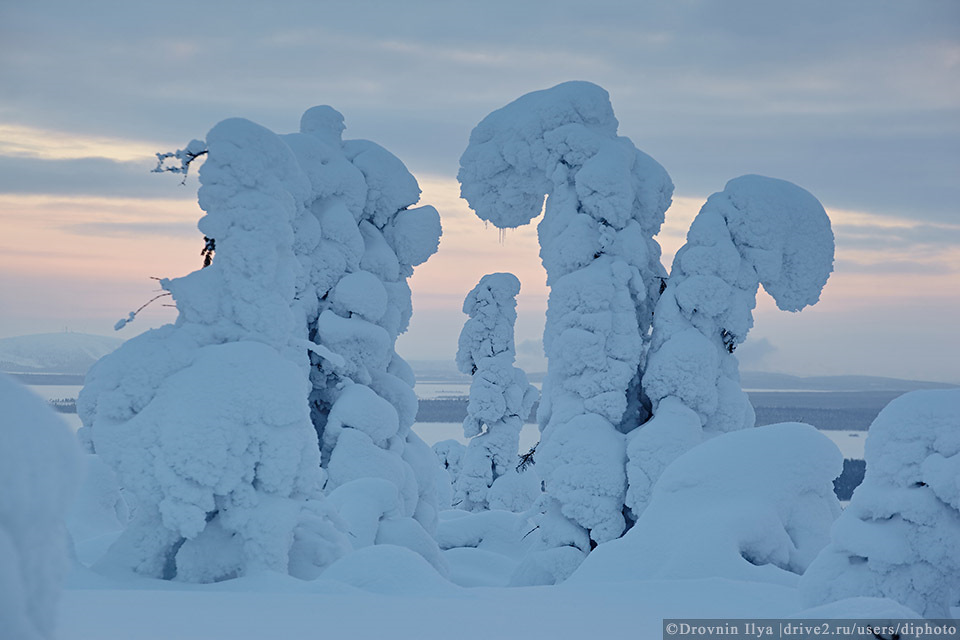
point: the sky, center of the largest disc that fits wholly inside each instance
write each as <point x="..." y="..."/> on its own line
<point x="858" y="102"/>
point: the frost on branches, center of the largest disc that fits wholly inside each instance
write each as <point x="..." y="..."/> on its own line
<point x="756" y="231"/>
<point x="500" y="396"/>
<point x="605" y="202"/>
<point x="899" y="537"/>
<point x="212" y="423"/>
<point x="39" y="469"/>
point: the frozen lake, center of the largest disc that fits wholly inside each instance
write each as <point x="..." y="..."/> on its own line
<point x="850" y="442"/>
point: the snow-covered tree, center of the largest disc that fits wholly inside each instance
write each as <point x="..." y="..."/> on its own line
<point x="357" y="303"/>
<point x="39" y="469"/>
<point x="287" y="337"/>
<point x="899" y="537"/>
<point x="756" y="231"/>
<point x="605" y="200"/>
<point x="500" y="396"/>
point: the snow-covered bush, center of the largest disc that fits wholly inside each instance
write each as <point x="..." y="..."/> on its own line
<point x="39" y="467"/>
<point x="500" y="396"/>
<point x="753" y="505"/>
<point x="756" y="231"/>
<point x="212" y="424"/>
<point x="900" y="535"/>
<point x="605" y="202"/>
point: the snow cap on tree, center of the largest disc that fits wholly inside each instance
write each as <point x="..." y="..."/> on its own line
<point x="492" y="307"/>
<point x="899" y="537"/>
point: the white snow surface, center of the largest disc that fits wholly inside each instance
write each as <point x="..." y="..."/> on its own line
<point x="753" y="505"/>
<point x="900" y="535"/>
<point x="39" y="470"/>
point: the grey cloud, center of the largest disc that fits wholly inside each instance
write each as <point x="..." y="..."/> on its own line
<point x="899" y="267"/>
<point x="88" y="177"/>
<point x="935" y="236"/>
<point x="754" y="353"/>
<point x="853" y="102"/>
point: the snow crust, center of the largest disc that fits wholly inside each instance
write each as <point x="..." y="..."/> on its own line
<point x="39" y="469"/>
<point x="279" y="379"/>
<point x="899" y="537"/>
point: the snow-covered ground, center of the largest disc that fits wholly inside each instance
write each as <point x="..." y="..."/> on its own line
<point x="402" y="607"/>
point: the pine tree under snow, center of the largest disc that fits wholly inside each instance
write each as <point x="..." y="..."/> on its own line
<point x="756" y="231"/>
<point x="500" y="396"/>
<point x="287" y="338"/>
<point x="605" y="201"/>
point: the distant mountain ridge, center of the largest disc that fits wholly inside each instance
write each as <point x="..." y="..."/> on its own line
<point x="783" y="382"/>
<point x="54" y="353"/>
<point x="443" y="370"/>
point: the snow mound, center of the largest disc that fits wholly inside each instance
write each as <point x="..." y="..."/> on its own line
<point x="899" y="537"/>
<point x="752" y="505"/>
<point x="390" y="570"/>
<point x="783" y="231"/>
<point x="39" y="467"/>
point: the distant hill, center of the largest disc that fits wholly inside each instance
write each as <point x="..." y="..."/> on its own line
<point x="54" y="353"/>
<point x="783" y="382"/>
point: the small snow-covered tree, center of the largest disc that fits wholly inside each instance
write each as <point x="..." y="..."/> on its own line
<point x="500" y="396"/>
<point x="39" y="469"/>
<point x="605" y="200"/>
<point x="756" y="231"/>
<point x="899" y="537"/>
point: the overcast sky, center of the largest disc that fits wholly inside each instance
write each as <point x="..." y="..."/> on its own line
<point x="858" y="102"/>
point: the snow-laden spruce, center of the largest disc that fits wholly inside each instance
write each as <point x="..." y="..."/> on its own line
<point x="899" y="537"/>
<point x="356" y="303"/>
<point x="756" y="231"/>
<point x="39" y="469"/>
<point x="500" y="396"/>
<point x="212" y="423"/>
<point x="605" y="202"/>
<point x="755" y="505"/>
